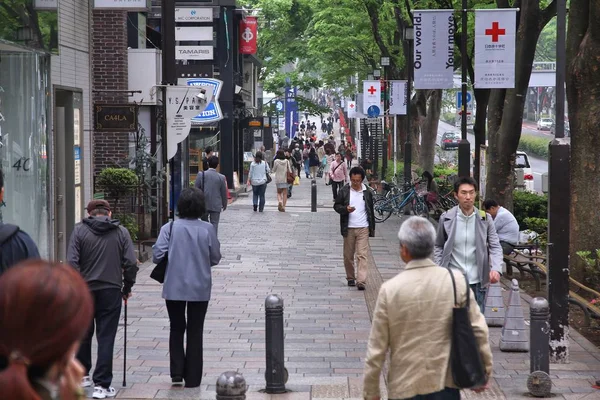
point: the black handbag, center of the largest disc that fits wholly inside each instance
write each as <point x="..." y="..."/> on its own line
<point x="465" y="360"/>
<point x="159" y="271"/>
<point x="269" y="179"/>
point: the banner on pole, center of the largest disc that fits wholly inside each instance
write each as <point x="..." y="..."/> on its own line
<point x="371" y="95"/>
<point x="434" y="49"/>
<point x="495" y="36"/>
<point x="398" y="97"/>
<point x="248" y="35"/>
<point x="351" y="109"/>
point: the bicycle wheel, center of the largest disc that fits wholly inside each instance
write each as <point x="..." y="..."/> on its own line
<point x="420" y="208"/>
<point x="382" y="209"/>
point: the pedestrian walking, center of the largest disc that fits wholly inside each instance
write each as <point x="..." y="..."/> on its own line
<point x="102" y="251"/>
<point x="416" y="304"/>
<point x="313" y="163"/>
<point x="257" y="177"/>
<point x="338" y="175"/>
<point x="329" y="159"/>
<point x="297" y="154"/>
<point x="354" y="203"/>
<point x="467" y="240"/>
<point x="281" y="167"/>
<point x="305" y="160"/>
<point x="15" y="244"/>
<point x="214" y="187"/>
<point x="193" y="248"/>
<point x="45" y="310"/>
<point x="349" y="157"/>
<point x="208" y="154"/>
<point x="292" y="161"/>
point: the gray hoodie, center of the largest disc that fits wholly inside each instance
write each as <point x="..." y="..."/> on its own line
<point x="102" y="250"/>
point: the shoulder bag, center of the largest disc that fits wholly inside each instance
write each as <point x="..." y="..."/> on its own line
<point x="465" y="360"/>
<point x="158" y="273"/>
<point x="269" y="179"/>
<point x="289" y="173"/>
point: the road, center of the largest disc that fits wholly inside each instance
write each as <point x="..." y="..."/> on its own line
<point x="538" y="165"/>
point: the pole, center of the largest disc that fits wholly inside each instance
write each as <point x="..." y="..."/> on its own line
<point x="169" y="77"/>
<point x="313" y="195"/>
<point x="125" y="344"/>
<point x="539" y="382"/>
<point x="395" y="140"/>
<point x="559" y="206"/>
<point x="386" y="106"/>
<point x="464" y="148"/>
<point x="275" y="374"/>
<point x="408" y="144"/>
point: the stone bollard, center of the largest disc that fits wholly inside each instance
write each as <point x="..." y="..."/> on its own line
<point x="275" y="374"/>
<point x="231" y="386"/>
<point x="539" y="382"/>
<point x="513" y="331"/>
<point x="494" y="306"/>
<point x="313" y="196"/>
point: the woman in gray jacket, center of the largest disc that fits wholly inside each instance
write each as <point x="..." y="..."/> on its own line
<point x="192" y="250"/>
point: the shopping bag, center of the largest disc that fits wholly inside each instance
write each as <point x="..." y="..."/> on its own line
<point x="296" y="181"/>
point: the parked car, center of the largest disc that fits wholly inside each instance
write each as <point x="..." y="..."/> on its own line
<point x="450" y="140"/>
<point x="567" y="129"/>
<point x="522" y="163"/>
<point x="545" y="124"/>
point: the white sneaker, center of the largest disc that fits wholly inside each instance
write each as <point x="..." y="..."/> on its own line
<point x="86" y="381"/>
<point x="101" y="393"/>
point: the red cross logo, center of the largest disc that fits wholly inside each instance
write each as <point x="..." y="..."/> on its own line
<point x="351" y="105"/>
<point x="495" y="32"/>
<point x="372" y="90"/>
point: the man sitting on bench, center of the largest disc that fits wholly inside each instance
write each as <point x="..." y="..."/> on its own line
<point x="506" y="225"/>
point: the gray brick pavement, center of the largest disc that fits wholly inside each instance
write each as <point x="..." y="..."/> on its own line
<point x="298" y="254"/>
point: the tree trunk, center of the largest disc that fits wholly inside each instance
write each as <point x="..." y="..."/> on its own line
<point x="505" y="118"/>
<point x="429" y="131"/>
<point x="583" y="89"/>
<point x="482" y="99"/>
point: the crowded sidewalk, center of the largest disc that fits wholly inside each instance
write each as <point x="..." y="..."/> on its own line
<point x="297" y="254"/>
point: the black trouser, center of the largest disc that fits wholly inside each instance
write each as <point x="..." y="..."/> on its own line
<point x="446" y="394"/>
<point x="335" y="186"/>
<point x="186" y="364"/>
<point x="107" y="309"/>
<point x="507" y="248"/>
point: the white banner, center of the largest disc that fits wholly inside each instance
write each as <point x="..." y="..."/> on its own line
<point x="351" y="109"/>
<point x="434" y="49"/>
<point x="193" y="33"/>
<point x="398" y="97"/>
<point x="182" y="106"/>
<point x="371" y="95"/>
<point x="495" y="36"/>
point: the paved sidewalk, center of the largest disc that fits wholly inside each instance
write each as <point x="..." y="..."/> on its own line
<point x="298" y="255"/>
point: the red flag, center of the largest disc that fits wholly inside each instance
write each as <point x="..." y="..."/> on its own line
<point x="248" y="35"/>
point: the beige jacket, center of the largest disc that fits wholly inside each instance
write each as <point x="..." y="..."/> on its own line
<point x="280" y="169"/>
<point x="413" y="320"/>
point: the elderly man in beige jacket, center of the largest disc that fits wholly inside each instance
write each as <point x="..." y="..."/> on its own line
<point x="413" y="320"/>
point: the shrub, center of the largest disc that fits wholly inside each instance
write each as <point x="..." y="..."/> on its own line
<point x="534" y="145"/>
<point x="592" y="267"/>
<point x="129" y="221"/>
<point x="530" y="208"/>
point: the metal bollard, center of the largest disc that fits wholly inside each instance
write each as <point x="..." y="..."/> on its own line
<point x="313" y="196"/>
<point x="231" y="386"/>
<point x="276" y="374"/>
<point x="539" y="382"/>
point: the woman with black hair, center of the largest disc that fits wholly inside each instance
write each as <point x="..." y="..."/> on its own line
<point x="193" y="248"/>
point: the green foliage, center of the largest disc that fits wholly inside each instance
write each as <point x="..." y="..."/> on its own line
<point x="534" y="145"/>
<point x="539" y="225"/>
<point x="16" y="14"/>
<point x="115" y="183"/>
<point x="143" y="163"/>
<point x="592" y="267"/>
<point x="129" y="221"/>
<point x="530" y="208"/>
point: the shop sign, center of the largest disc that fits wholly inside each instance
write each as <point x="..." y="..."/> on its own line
<point x="212" y="112"/>
<point x="194" y="14"/>
<point x="193" y="52"/>
<point x="248" y="35"/>
<point x="129" y="5"/>
<point x="115" y="118"/>
<point x="194" y="33"/>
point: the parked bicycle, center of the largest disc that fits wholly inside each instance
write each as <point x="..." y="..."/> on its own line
<point x="397" y="201"/>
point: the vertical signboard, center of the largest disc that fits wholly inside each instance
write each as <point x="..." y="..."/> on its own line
<point x="398" y="97"/>
<point x="434" y="49"/>
<point x="291" y="112"/>
<point x="248" y="35"/>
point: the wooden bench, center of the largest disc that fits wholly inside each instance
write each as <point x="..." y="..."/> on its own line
<point x="535" y="265"/>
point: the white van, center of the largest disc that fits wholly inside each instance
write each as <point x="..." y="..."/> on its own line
<point x="523" y="168"/>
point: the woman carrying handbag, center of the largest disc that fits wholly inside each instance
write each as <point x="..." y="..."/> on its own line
<point x="193" y="248"/>
<point x="258" y="177"/>
<point x="281" y="167"/>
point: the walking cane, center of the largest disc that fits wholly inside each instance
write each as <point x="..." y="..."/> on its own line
<point x="125" y="346"/>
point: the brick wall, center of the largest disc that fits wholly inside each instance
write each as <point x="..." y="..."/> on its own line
<point x="109" y="72"/>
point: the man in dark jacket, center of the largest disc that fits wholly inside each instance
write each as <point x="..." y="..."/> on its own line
<point x="15" y="245"/>
<point x="102" y="251"/>
<point x="354" y="203"/>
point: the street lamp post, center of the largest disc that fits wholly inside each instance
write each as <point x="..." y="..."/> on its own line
<point x="464" y="148"/>
<point x="376" y="76"/>
<point x="408" y="38"/>
<point x="385" y="62"/>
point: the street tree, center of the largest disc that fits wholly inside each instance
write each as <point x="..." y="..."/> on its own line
<point x="583" y="95"/>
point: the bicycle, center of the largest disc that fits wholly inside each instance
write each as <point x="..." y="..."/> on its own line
<point x="384" y="207"/>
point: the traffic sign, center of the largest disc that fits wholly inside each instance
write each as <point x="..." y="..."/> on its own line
<point x="279" y="105"/>
<point x="459" y="102"/>
<point x="373" y="111"/>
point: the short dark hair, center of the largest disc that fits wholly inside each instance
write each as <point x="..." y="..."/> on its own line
<point x="213" y="162"/>
<point x="280" y="155"/>
<point x="357" y="171"/>
<point x="464" y="180"/>
<point x="489" y="203"/>
<point x="191" y="203"/>
<point x="208" y="149"/>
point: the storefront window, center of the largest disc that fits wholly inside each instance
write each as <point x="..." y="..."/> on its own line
<point x="199" y="139"/>
<point x="24" y="141"/>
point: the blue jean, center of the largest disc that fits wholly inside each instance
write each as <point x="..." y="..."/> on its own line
<point x="479" y="295"/>
<point x="306" y="171"/>
<point x="258" y="194"/>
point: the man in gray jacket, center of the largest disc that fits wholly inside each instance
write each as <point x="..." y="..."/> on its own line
<point x="467" y="240"/>
<point x="102" y="251"/>
<point x="214" y="186"/>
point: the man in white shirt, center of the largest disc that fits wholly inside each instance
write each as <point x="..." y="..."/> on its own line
<point x="506" y="225"/>
<point x="354" y="203"/>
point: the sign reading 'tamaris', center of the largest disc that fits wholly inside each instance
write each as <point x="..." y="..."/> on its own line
<point x="194" y="52"/>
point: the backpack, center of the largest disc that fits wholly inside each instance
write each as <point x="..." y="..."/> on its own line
<point x="297" y="155"/>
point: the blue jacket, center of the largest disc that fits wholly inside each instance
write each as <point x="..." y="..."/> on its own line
<point x="17" y="247"/>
